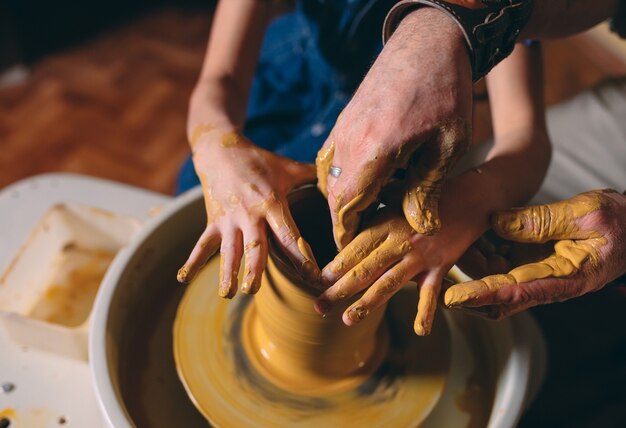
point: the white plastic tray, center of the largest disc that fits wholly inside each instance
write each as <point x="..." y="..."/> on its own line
<point x="43" y="363"/>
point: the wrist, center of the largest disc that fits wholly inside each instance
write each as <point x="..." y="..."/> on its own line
<point x="458" y="195"/>
<point x="216" y="102"/>
<point x="489" y="27"/>
<point x="428" y="25"/>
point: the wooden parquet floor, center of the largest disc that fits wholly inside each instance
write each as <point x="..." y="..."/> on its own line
<point x="115" y="106"/>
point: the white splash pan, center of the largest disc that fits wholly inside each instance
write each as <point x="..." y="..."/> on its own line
<point x="518" y="344"/>
<point x="49" y="226"/>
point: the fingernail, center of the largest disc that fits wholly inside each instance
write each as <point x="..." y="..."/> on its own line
<point x="182" y="274"/>
<point x="327" y="278"/>
<point x="422" y="328"/>
<point x="507" y="222"/>
<point x="246" y="288"/>
<point x="454" y="297"/>
<point x="223" y="292"/>
<point x="322" y="306"/>
<point x="357" y="314"/>
<point x="419" y="329"/>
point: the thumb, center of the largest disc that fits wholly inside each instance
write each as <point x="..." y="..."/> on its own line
<point x="556" y="221"/>
<point x="534" y="282"/>
<point x="323" y="162"/>
<point x="426" y="177"/>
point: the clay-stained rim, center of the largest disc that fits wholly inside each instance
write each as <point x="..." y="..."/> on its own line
<point x="108" y="396"/>
<point x="512" y="390"/>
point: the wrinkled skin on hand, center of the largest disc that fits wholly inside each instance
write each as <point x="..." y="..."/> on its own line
<point x="382" y="259"/>
<point x="412" y="111"/>
<point x="245" y="189"/>
<point x="590" y="251"/>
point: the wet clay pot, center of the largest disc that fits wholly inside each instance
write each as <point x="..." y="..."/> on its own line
<point x="290" y="343"/>
<point x="260" y="368"/>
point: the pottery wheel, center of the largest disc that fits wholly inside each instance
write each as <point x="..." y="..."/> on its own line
<point x="226" y="388"/>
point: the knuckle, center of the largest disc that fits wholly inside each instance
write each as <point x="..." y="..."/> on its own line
<point x="539" y="221"/>
<point x="388" y="286"/>
<point x="361" y="273"/>
<point x="604" y="215"/>
<point x="253" y="248"/>
<point x="227" y="249"/>
<point x="286" y="236"/>
<point x="519" y="296"/>
<point x="455" y="136"/>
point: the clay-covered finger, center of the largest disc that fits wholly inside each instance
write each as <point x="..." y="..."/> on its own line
<point x="429" y="289"/>
<point x="490" y="290"/>
<point x="542" y="223"/>
<point x="352" y="193"/>
<point x="428" y="172"/>
<point x="347" y="207"/>
<point x="255" y="252"/>
<point x="521" y="284"/>
<point x="358" y="278"/>
<point x="378" y="294"/>
<point x="353" y="254"/>
<point x="323" y="162"/>
<point x="205" y="248"/>
<point x="291" y="242"/>
<point x="510" y="299"/>
<point x="231" y="253"/>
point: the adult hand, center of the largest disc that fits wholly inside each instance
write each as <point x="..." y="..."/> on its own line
<point x="412" y="110"/>
<point x="590" y="230"/>
<point x="245" y="189"/>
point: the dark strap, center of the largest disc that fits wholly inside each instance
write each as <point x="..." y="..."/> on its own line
<point x="618" y="23"/>
<point x="490" y="27"/>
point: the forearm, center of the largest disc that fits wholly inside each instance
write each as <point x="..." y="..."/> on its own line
<point x="559" y="18"/>
<point x="517" y="108"/>
<point x="221" y="93"/>
<point x="517" y="163"/>
<point x="506" y="180"/>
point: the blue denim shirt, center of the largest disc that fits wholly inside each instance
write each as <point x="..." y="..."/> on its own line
<point x="311" y="62"/>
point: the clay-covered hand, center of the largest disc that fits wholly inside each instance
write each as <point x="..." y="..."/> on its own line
<point x="590" y="251"/>
<point x="245" y="189"/>
<point x="412" y="111"/>
<point x="382" y="259"/>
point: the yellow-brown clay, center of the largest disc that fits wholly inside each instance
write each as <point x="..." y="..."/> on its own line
<point x="379" y="248"/>
<point x="323" y="162"/>
<point x="8" y="412"/>
<point x="214" y="209"/>
<point x="209" y="371"/>
<point x="69" y="299"/>
<point x="425" y="313"/>
<point x="348" y="216"/>
<point x="230" y="139"/>
<point x="182" y="274"/>
<point x="250" y="245"/>
<point x="299" y="350"/>
<point x="295" y="354"/>
<point x="197" y="132"/>
<point x="426" y="177"/>
<point x="542" y="223"/>
<point x="559" y="220"/>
